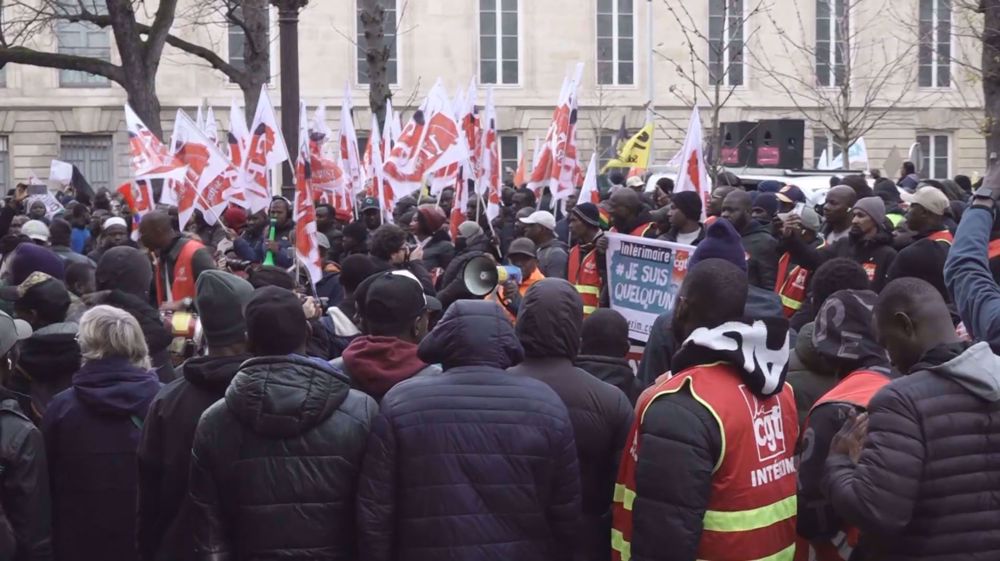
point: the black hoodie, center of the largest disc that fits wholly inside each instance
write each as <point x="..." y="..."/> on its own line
<point x="875" y="255"/>
<point x="681" y="440"/>
<point x="45" y="366"/>
<point x="164" y="525"/>
<point x="275" y="464"/>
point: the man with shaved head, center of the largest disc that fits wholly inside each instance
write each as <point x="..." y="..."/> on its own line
<point x="760" y="246"/>
<point x="924" y="456"/>
<point x="178" y="260"/>
<point x="629" y="216"/>
<point x="837" y="213"/>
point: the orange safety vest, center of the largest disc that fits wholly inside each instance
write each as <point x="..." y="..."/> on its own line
<point x="752" y="506"/>
<point x="856" y="389"/>
<point x="791" y="285"/>
<point x="994" y="249"/>
<point x="640" y="230"/>
<point x="943" y="236"/>
<point x="585" y="277"/>
<point x="183" y="285"/>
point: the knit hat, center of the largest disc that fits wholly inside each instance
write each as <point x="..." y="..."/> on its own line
<point x="29" y="258"/>
<point x="810" y="220"/>
<point x="588" y="213"/>
<point x="234" y="217"/>
<point x="768" y="202"/>
<point x="220" y="298"/>
<point x="689" y="203"/>
<point x="431" y="217"/>
<point x="932" y="199"/>
<point x="276" y="323"/>
<point x="873" y="207"/>
<point x="469" y="229"/>
<point x="722" y="241"/>
<point x="125" y="268"/>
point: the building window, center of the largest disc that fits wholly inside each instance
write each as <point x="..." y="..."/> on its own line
<point x="83" y="39"/>
<point x="92" y="155"/>
<point x="615" y="42"/>
<point x="832" y="31"/>
<point x="498" y="47"/>
<point x="725" y="42"/>
<point x="238" y="40"/>
<point x="936" y="149"/>
<point x="510" y="156"/>
<point x="4" y="164"/>
<point x="389" y="30"/>
<point x="822" y="144"/>
<point x="935" y="44"/>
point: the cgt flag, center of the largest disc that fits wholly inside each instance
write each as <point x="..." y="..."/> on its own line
<point x="267" y="150"/>
<point x="208" y="184"/>
<point x="150" y="158"/>
<point x="489" y="160"/>
<point x="635" y="152"/>
<point x="306" y="248"/>
<point x="693" y="175"/>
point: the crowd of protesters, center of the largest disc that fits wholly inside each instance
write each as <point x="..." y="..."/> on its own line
<point x="826" y="385"/>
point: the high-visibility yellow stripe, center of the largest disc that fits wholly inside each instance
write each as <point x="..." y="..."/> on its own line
<point x="589" y="309"/>
<point x="746" y="520"/>
<point x="790" y="302"/>
<point x="786" y="554"/>
<point x="588" y="289"/>
<point x="621" y="545"/>
<point x="624" y="495"/>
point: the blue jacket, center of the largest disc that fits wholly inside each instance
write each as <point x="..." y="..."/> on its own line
<point x="967" y="276"/>
<point x="474" y="463"/>
<point x="91" y="435"/>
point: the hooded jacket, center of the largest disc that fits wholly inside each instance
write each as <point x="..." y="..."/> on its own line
<point x="25" y="505"/>
<point x="282" y="450"/>
<point x="925" y="485"/>
<point x="91" y="434"/>
<point x="612" y="370"/>
<point x="376" y="364"/>
<point x="438" y="251"/>
<point x="876" y="252"/>
<point x="548" y="326"/>
<point x="45" y="366"/>
<point x="165" y="530"/>
<point x="808" y="373"/>
<point x="473" y="464"/>
<point x="553" y="258"/>
<point x="681" y="442"/>
<point x="762" y="254"/>
<point x="923" y="259"/>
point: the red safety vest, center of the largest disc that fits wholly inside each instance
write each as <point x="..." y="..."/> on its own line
<point x="791" y="285"/>
<point x="640" y="230"/>
<point x="183" y="285"/>
<point x="994" y="249"/>
<point x="752" y="506"/>
<point x="943" y="236"/>
<point x="856" y="389"/>
<point x="585" y="277"/>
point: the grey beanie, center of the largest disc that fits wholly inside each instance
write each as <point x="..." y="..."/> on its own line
<point x="220" y="299"/>
<point x="469" y="229"/>
<point x="874" y="207"/>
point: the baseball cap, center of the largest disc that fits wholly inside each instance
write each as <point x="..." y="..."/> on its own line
<point x="370" y="203"/>
<point x="635" y="181"/>
<point x="11" y="331"/>
<point x="114" y="221"/>
<point x="395" y="296"/>
<point x="36" y="230"/>
<point x="522" y="246"/>
<point x="542" y="218"/>
<point x="791" y="194"/>
<point x="39" y="291"/>
<point x="931" y="198"/>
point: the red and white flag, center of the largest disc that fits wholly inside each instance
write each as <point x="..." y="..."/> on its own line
<point x="208" y="184"/>
<point x="489" y="159"/>
<point x="150" y="158"/>
<point x="448" y="175"/>
<point x="239" y="134"/>
<point x="327" y="177"/>
<point x="376" y="186"/>
<point x="392" y="127"/>
<point x="458" y="209"/>
<point x="693" y="174"/>
<point x="350" y="156"/>
<point x="211" y="128"/>
<point x="306" y="248"/>
<point x="473" y="132"/>
<point x="589" y="193"/>
<point x="429" y="142"/>
<point x="557" y="167"/>
<point x="266" y="151"/>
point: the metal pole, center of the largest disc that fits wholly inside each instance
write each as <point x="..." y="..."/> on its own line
<point x="288" y="22"/>
<point x="651" y="84"/>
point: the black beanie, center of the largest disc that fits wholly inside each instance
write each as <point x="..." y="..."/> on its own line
<point x="276" y="324"/>
<point x="220" y="298"/>
<point x="689" y="203"/>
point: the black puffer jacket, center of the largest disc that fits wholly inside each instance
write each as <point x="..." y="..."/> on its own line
<point x="25" y="501"/>
<point x="275" y="464"/>
<point x="927" y="483"/>
<point x="164" y="525"/>
<point x="472" y="464"/>
<point x="548" y="326"/>
<point x="876" y="254"/>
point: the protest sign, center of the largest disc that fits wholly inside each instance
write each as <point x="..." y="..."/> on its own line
<point x="644" y="277"/>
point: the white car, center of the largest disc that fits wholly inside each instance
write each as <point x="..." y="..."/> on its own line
<point x="814" y="184"/>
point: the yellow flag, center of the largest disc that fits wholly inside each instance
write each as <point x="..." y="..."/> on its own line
<point x="635" y="152"/>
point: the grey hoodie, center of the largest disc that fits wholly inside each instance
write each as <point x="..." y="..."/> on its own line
<point x="977" y="370"/>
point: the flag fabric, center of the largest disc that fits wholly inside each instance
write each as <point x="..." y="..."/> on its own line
<point x="150" y="158"/>
<point x="266" y="151"/>
<point x="391" y="129"/>
<point x="458" y="208"/>
<point x="211" y="127"/>
<point x="138" y="196"/>
<point x="489" y="159"/>
<point x="199" y="121"/>
<point x="634" y="153"/>
<point x="327" y="178"/>
<point x="239" y="134"/>
<point x="473" y="133"/>
<point x="448" y="175"/>
<point x="521" y="173"/>
<point x="590" y="193"/>
<point x="557" y="167"/>
<point x="693" y="174"/>
<point x="621" y="137"/>
<point x="350" y="157"/>
<point x="208" y="184"/>
<point x="306" y="248"/>
<point x="376" y="186"/>
<point x="58" y="171"/>
<point x="430" y="141"/>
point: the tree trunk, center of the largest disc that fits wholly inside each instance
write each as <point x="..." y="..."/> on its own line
<point x="991" y="77"/>
<point x="257" y="55"/>
<point x="377" y="52"/>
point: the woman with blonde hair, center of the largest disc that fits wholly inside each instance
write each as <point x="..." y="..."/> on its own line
<point x="91" y="435"/>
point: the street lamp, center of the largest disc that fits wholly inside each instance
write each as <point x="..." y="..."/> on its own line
<point x="288" y="24"/>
